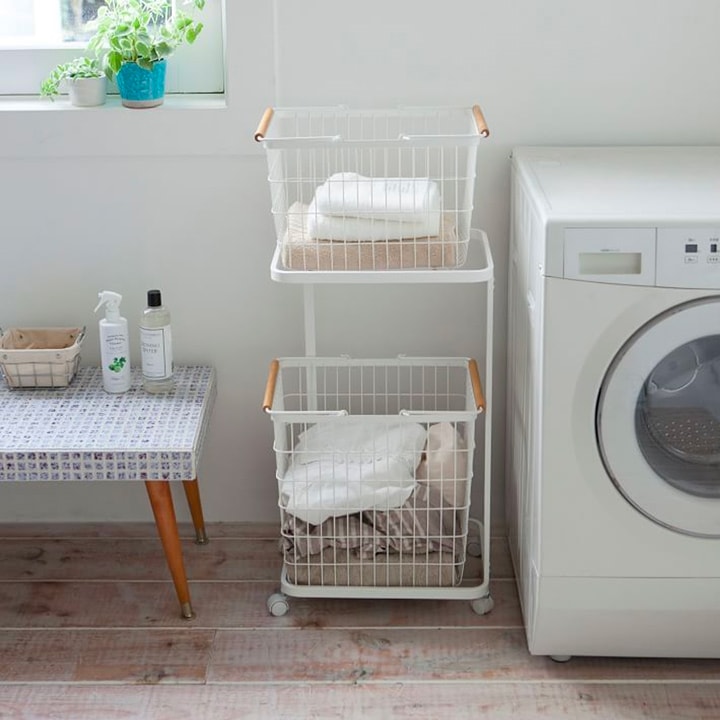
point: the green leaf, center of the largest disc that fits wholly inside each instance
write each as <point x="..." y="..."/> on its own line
<point x="114" y="61"/>
<point x="163" y="49"/>
<point x="193" y="32"/>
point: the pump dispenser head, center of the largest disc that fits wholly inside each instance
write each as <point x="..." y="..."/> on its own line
<point x="112" y="301"/>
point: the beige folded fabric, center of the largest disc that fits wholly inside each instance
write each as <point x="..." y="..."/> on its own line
<point x="444" y="464"/>
<point x="300" y="251"/>
<point x="424" y="523"/>
<point x="335" y="566"/>
<point x="38" y="338"/>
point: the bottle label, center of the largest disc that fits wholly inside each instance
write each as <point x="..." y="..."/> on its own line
<point x="156" y="350"/>
<point x="115" y="356"/>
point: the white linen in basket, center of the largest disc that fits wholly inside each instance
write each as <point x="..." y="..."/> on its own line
<point x="386" y="198"/>
<point x="352" y="229"/>
<point x="350" y="464"/>
<point x="354" y="208"/>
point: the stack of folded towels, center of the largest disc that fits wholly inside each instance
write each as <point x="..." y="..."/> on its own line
<point x="351" y="207"/>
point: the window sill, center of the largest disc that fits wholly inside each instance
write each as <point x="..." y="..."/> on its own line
<point x="35" y="103"/>
<point x="182" y="125"/>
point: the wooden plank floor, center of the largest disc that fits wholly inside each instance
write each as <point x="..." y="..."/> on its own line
<point x="90" y="630"/>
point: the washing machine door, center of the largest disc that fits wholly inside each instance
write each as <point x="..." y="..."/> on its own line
<point x="658" y="419"/>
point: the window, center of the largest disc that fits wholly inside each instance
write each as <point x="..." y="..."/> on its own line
<point x="36" y="35"/>
<point x="45" y="21"/>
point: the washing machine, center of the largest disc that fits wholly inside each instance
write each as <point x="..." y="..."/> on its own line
<point x="613" y="416"/>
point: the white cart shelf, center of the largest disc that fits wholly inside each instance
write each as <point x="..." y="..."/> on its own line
<point x="389" y="192"/>
<point x="478" y="270"/>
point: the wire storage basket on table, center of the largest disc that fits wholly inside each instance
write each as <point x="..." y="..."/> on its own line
<point x="371" y="189"/>
<point x="374" y="463"/>
<point x="44" y="357"/>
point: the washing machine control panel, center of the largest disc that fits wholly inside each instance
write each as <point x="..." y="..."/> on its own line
<point x="661" y="256"/>
<point x="688" y="257"/>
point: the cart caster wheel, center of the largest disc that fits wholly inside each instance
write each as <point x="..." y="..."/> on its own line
<point x="277" y="605"/>
<point x="482" y="606"/>
<point x="561" y="658"/>
<point x="474" y="548"/>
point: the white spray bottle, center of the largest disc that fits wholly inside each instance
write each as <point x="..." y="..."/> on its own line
<point x="114" y="344"/>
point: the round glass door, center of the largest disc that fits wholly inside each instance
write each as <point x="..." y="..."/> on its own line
<point x="658" y="419"/>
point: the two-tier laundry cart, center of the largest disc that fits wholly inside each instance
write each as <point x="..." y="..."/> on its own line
<point x="375" y="457"/>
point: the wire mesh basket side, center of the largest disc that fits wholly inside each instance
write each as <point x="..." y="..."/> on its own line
<point x="374" y="480"/>
<point x="362" y="518"/>
<point x="55" y="373"/>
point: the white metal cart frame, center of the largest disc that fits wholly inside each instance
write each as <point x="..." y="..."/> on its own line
<point x="478" y="268"/>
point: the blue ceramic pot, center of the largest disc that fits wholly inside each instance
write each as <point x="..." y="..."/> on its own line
<point x="140" y="88"/>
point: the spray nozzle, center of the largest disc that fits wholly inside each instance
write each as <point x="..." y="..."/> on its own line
<point x="112" y="302"/>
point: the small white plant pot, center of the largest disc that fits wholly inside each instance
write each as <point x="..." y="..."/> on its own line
<point x="87" y="92"/>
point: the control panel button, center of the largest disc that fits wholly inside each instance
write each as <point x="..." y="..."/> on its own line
<point x="688" y="257"/>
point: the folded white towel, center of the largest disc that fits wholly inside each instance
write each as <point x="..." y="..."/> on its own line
<point x="396" y="199"/>
<point x="353" y="229"/>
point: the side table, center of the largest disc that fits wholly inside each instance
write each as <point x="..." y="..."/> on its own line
<point x="82" y="433"/>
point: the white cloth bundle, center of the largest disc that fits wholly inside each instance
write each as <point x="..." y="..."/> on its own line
<point x="348" y="465"/>
<point x="398" y="199"/>
<point x="352" y="229"/>
<point x="352" y="207"/>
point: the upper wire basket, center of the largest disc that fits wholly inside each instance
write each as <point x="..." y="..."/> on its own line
<point x="372" y="189"/>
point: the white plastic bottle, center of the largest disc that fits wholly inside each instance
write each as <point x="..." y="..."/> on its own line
<point x="156" y="345"/>
<point x="114" y="344"/>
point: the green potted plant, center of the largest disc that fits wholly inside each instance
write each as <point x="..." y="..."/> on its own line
<point x="84" y="79"/>
<point x="133" y="39"/>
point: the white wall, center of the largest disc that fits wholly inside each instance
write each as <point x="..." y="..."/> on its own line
<point x="81" y="211"/>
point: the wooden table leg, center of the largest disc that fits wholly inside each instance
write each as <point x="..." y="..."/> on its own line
<point x="192" y="493"/>
<point x="164" y="511"/>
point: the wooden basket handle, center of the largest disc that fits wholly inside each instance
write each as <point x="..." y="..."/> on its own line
<point x="480" y="121"/>
<point x="263" y="125"/>
<point x="476" y="384"/>
<point x="270" y="386"/>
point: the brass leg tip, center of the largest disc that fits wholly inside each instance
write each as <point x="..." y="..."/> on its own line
<point x="201" y="537"/>
<point x="186" y="611"/>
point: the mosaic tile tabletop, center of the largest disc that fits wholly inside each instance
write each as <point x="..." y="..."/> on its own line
<point x="83" y="433"/>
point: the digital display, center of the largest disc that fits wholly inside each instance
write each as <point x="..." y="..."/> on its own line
<point x="610" y="263"/>
<point x="691" y="247"/>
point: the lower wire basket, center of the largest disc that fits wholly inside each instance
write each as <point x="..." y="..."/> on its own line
<point x="374" y="466"/>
